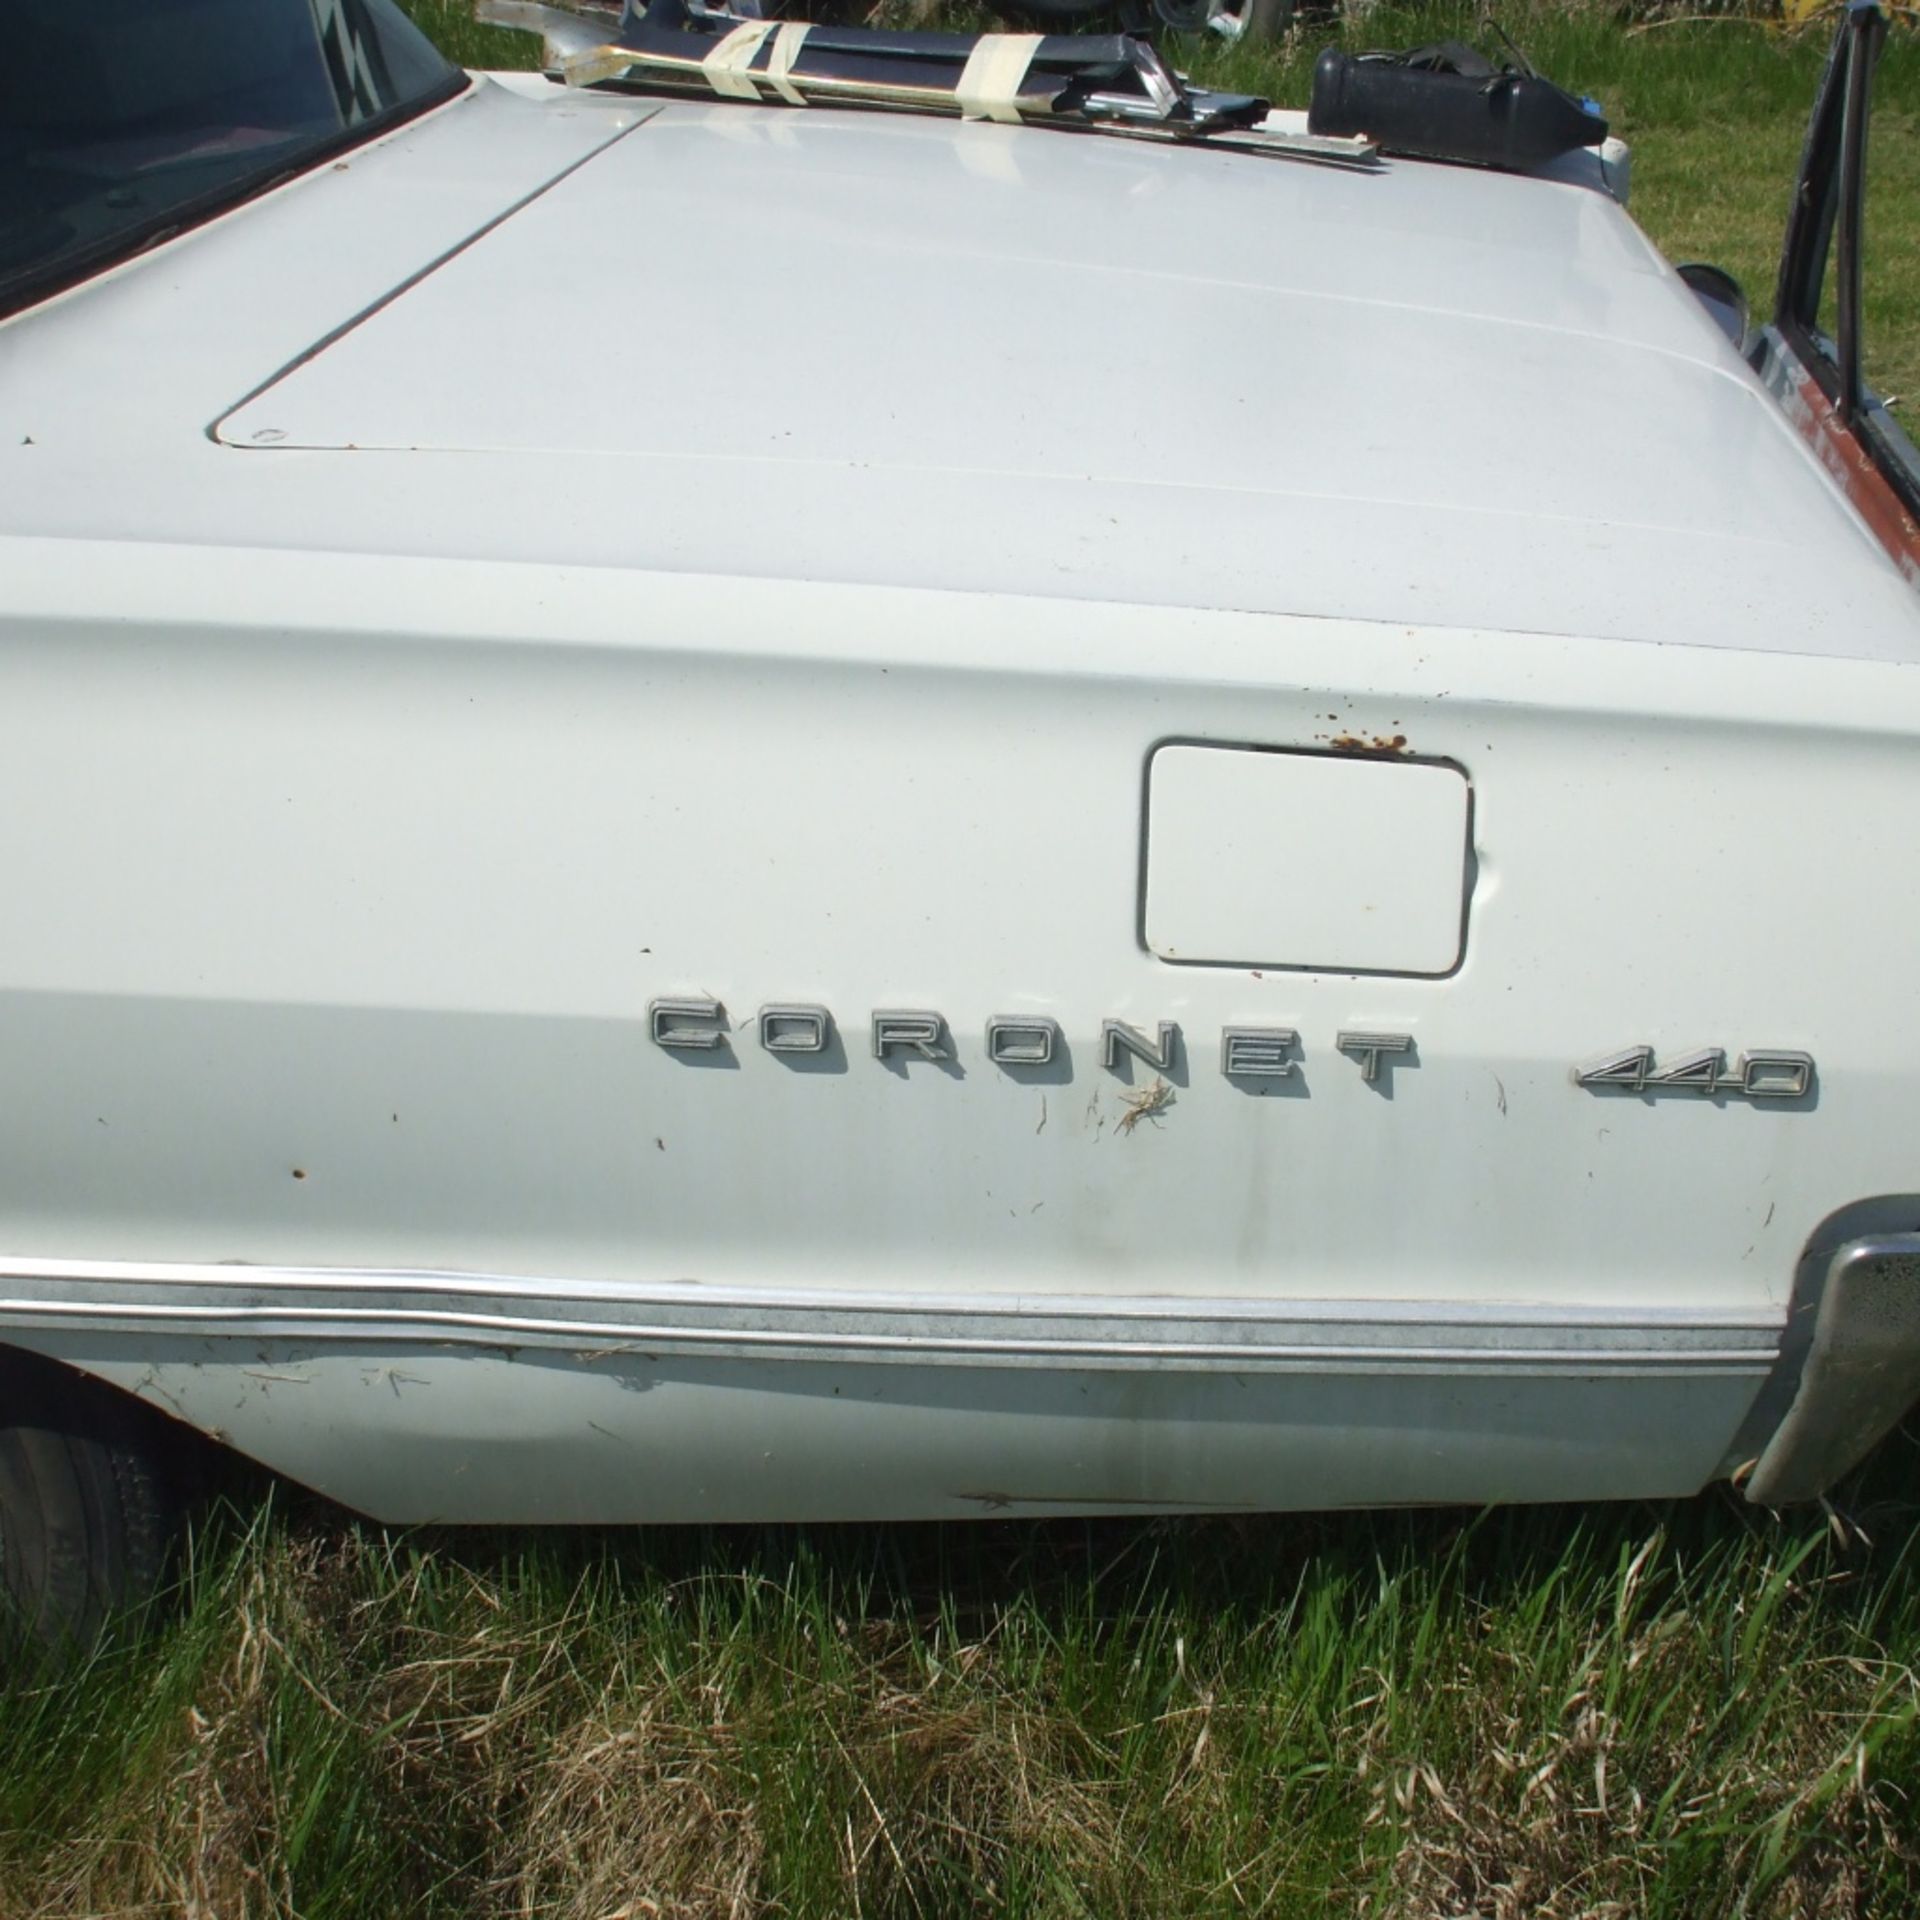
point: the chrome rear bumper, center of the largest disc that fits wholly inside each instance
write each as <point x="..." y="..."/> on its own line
<point x="1860" y="1375"/>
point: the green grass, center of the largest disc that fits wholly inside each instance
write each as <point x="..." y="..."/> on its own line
<point x="453" y="29"/>
<point x="1685" y="1710"/>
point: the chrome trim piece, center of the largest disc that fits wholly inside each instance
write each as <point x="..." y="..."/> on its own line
<point x="666" y="1022"/>
<point x="1046" y="1330"/>
<point x="1368" y="1047"/>
<point x="1116" y="1036"/>
<point x="1257" y="1052"/>
<point x="917" y="1031"/>
<point x="1769" y="1073"/>
<point x="696" y="1023"/>
<point x="1022" y="1040"/>
<point x="795" y="1028"/>
<point x="1861" y="1374"/>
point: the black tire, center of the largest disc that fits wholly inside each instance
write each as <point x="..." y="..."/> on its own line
<point x="1267" y="19"/>
<point x="87" y="1512"/>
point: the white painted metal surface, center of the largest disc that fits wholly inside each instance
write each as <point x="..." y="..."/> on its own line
<point x="362" y="786"/>
<point x="1452" y="398"/>
<point x="1323" y="861"/>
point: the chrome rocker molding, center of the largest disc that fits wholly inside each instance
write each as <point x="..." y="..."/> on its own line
<point x="336" y="1305"/>
<point x="1860" y="1376"/>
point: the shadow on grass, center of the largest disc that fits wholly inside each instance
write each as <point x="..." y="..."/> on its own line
<point x="1036" y="1718"/>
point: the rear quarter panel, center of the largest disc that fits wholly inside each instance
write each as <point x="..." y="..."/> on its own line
<point x="338" y="891"/>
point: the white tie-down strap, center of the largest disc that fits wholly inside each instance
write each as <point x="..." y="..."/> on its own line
<point x="726" y="66"/>
<point x="786" y="50"/>
<point x="989" y="86"/>
<point x="596" y="64"/>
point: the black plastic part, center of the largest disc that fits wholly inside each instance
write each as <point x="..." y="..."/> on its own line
<point x="1724" y="298"/>
<point x="1824" y="230"/>
<point x="1514" y="121"/>
<point x="1824" y="234"/>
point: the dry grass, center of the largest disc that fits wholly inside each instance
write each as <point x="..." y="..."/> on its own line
<point x="1689" y="1711"/>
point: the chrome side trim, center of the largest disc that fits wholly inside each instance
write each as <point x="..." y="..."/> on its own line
<point x="1860" y="1376"/>
<point x="364" y="1306"/>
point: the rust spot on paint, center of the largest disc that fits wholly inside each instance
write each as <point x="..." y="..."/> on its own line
<point x="1377" y="745"/>
<point x="1846" y="458"/>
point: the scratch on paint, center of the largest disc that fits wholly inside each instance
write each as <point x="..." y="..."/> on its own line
<point x="1042" y="1127"/>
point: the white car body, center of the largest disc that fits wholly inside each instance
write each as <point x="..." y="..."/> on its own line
<point x="584" y="570"/>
